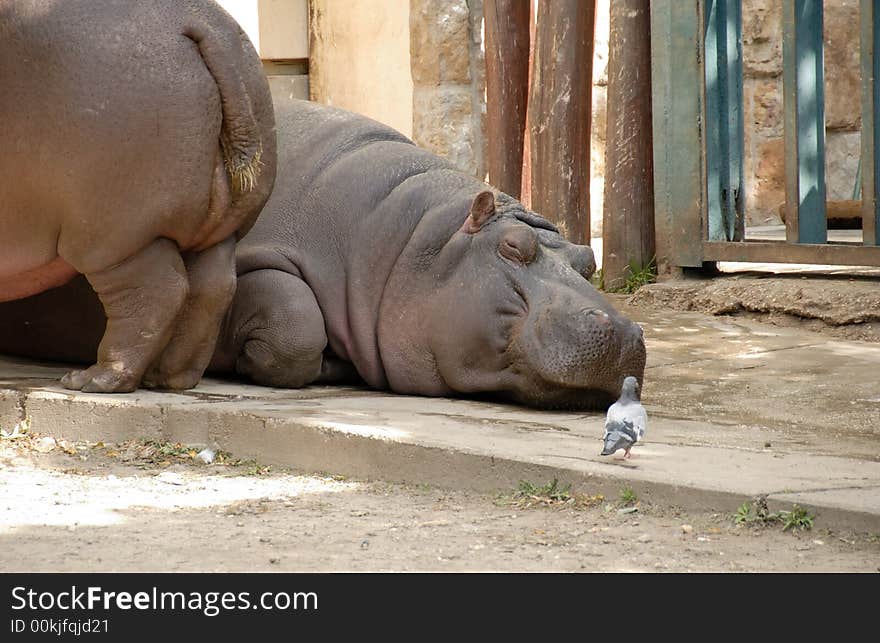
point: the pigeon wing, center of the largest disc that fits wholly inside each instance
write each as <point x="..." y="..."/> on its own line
<point x="616" y="413"/>
<point x="639" y="421"/>
<point x="620" y="435"/>
<point x="617" y="425"/>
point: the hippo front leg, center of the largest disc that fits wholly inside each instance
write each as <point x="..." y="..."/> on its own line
<point x="275" y="331"/>
<point x="211" y="276"/>
<point x="141" y="296"/>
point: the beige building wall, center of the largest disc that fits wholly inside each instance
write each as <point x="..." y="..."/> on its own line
<point x="360" y="58"/>
<point x="279" y="30"/>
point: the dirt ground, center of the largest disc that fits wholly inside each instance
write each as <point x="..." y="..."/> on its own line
<point x="844" y="307"/>
<point x="148" y="507"/>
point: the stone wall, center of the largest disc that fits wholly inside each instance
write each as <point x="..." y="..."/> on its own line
<point x="445" y="66"/>
<point x="449" y="80"/>
<point x="763" y="107"/>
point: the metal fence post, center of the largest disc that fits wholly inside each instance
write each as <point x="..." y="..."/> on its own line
<point x="804" y="104"/>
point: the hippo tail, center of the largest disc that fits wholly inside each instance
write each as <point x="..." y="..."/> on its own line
<point x="221" y="49"/>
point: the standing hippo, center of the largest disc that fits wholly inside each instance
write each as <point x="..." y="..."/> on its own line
<point x="376" y="256"/>
<point x="136" y="142"/>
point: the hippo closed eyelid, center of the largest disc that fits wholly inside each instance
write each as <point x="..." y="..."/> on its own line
<point x="519" y="244"/>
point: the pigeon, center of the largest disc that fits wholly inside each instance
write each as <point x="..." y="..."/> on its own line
<point x="626" y="421"/>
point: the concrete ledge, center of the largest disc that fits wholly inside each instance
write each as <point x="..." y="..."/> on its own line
<point x="450" y="443"/>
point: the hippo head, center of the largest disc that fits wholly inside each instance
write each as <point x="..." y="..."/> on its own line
<point x="504" y="305"/>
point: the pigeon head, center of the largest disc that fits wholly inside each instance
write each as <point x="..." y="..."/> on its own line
<point x="630" y="389"/>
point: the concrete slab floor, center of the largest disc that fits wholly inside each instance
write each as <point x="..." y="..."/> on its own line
<point x="736" y="409"/>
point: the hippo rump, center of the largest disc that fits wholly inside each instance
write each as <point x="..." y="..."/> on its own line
<point x="136" y="143"/>
<point x="378" y="258"/>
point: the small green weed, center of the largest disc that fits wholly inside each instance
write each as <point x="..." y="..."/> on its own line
<point x="743" y="514"/>
<point x="628" y="496"/>
<point x="598" y="279"/>
<point x="756" y="512"/>
<point x="638" y="275"/>
<point x="798" y="518"/>
<point x="528" y="495"/>
<point x="551" y="491"/>
<point x="251" y="467"/>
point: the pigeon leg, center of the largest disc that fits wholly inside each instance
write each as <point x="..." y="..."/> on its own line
<point x="626" y="453"/>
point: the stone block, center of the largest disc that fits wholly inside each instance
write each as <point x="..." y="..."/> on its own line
<point x="445" y="124"/>
<point x="763" y="105"/>
<point x="439" y="41"/>
<point x="769" y="183"/>
<point x="842" y="150"/>
<point x="842" y="73"/>
<point x="762" y="38"/>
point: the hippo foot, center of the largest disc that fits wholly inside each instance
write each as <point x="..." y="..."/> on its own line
<point x="173" y="381"/>
<point x="99" y="379"/>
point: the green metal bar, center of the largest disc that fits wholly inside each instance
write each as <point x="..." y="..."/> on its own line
<point x="857" y="186"/>
<point x="724" y="125"/>
<point x="804" y="100"/>
<point x="736" y="134"/>
<point x="716" y="93"/>
<point x="869" y="163"/>
<point x="677" y="96"/>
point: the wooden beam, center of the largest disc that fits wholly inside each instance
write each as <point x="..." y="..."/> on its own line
<point x="628" y="219"/>
<point x="836" y="254"/>
<point x="507" y="89"/>
<point x="560" y="115"/>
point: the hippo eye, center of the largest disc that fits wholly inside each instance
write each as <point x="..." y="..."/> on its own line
<point x="520" y="244"/>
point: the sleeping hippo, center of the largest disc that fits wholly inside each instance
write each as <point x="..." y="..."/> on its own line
<point x="137" y="142"/>
<point x="377" y="258"/>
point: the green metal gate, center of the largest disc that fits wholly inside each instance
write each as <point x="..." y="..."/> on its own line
<point x="696" y="50"/>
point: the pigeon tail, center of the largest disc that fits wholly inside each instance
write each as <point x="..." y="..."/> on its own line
<point x="618" y="435"/>
<point x="614" y="441"/>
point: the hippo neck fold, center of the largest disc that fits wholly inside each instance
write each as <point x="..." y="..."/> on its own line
<point x="402" y="328"/>
<point x="439" y="198"/>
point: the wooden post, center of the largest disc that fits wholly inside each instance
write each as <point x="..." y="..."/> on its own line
<point x="676" y="73"/>
<point x="526" y="195"/>
<point x="507" y="88"/>
<point x="560" y="114"/>
<point x="628" y="220"/>
<point x="870" y="59"/>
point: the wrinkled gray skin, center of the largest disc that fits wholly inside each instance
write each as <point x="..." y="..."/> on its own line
<point x="378" y="257"/>
<point x="136" y="143"/>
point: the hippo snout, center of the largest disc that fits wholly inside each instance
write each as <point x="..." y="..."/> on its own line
<point x="632" y="354"/>
<point x="583" y="351"/>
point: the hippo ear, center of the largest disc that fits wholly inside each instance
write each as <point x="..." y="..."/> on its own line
<point x="482" y="209"/>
